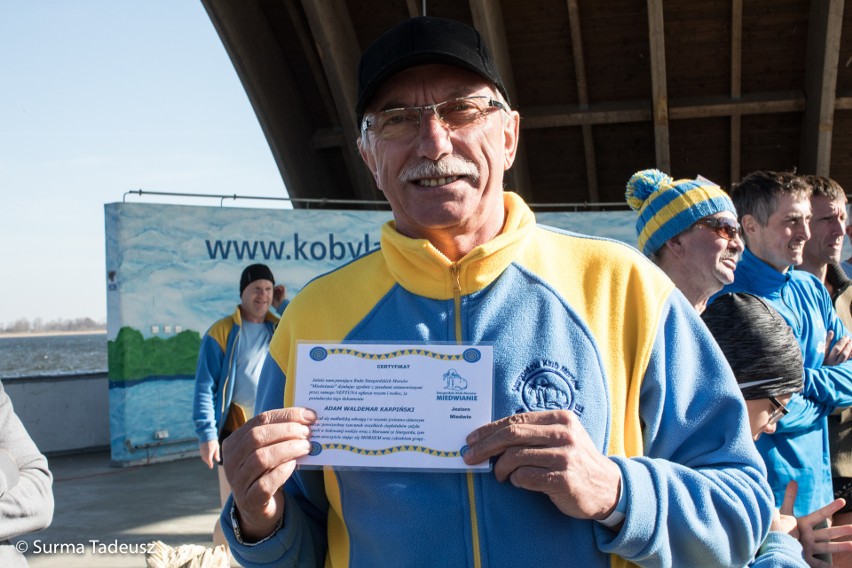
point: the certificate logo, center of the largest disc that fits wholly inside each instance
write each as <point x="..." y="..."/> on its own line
<point x="455" y="387"/>
<point x="454" y="381"/>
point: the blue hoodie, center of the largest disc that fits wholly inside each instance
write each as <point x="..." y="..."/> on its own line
<point x="599" y="321"/>
<point x="798" y="450"/>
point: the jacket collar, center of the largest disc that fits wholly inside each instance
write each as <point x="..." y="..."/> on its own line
<point x="238" y="317"/>
<point x="758" y="276"/>
<point x="423" y="270"/>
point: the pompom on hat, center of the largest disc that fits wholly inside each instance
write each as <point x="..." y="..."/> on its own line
<point x="668" y="207"/>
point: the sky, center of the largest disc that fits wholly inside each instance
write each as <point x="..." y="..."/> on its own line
<point x="99" y="98"/>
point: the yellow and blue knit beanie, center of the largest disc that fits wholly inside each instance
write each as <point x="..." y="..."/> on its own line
<point x="667" y="207"/>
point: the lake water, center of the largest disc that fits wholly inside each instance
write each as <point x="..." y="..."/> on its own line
<point x="52" y="354"/>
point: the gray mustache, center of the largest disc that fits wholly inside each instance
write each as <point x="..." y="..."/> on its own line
<point x="451" y="166"/>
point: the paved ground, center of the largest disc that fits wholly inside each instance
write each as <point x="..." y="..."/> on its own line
<point x="176" y="502"/>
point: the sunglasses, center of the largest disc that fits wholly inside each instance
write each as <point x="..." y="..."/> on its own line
<point x="723" y="227"/>
<point x="780" y="411"/>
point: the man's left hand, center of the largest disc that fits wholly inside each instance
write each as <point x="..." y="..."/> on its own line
<point x="839" y="352"/>
<point x="552" y="453"/>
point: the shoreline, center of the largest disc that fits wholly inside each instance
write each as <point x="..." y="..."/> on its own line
<point x="18" y="334"/>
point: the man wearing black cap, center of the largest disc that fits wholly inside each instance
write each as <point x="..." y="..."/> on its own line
<point x="231" y="355"/>
<point x="635" y="456"/>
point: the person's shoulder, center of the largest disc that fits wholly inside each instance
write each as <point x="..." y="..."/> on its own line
<point x="222" y="324"/>
<point x="601" y="247"/>
<point x="593" y="252"/>
<point x="344" y="283"/>
<point x="329" y="306"/>
<point x="221" y="328"/>
<point x="808" y="282"/>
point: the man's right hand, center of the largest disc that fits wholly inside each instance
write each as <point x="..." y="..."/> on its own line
<point x="209" y="452"/>
<point x="814" y="540"/>
<point x="261" y="456"/>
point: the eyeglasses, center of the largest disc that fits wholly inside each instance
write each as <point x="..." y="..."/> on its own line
<point x="780" y="411"/>
<point x="722" y="226"/>
<point x="404" y="122"/>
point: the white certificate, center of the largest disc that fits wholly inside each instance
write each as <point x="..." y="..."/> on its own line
<point x="394" y="406"/>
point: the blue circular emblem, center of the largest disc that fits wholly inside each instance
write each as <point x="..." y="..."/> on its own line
<point x="464" y="450"/>
<point x="471" y="355"/>
<point x="319" y="353"/>
<point x="316" y="449"/>
<point x="547" y="389"/>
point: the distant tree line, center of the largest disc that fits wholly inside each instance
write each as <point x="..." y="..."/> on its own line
<point x="23" y="325"/>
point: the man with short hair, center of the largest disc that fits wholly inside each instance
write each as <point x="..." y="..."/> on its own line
<point x="821" y="258"/>
<point x="689" y="229"/>
<point x="775" y="213"/>
<point x="643" y="455"/>
<point x="822" y="252"/>
<point x="229" y="362"/>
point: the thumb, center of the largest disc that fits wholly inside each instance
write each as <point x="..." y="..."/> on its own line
<point x="789" y="498"/>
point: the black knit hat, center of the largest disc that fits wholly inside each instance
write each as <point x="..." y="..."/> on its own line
<point x="255" y="272"/>
<point x="758" y="344"/>
<point x="420" y="41"/>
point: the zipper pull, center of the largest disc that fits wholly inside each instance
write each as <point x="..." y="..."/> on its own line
<point x="455" y="271"/>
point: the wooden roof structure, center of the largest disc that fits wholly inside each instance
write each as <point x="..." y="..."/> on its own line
<point x="604" y="89"/>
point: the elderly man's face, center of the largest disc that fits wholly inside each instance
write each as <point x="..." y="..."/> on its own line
<point x="442" y="182"/>
<point x="711" y="257"/>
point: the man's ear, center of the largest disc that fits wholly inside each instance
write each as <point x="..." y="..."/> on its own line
<point x="849" y="231"/>
<point x="675" y="245"/>
<point x="369" y="158"/>
<point x="511" y="128"/>
<point x="749" y="224"/>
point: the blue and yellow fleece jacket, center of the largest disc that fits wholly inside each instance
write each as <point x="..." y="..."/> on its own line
<point x="215" y="372"/>
<point x="798" y="450"/>
<point x="596" y="321"/>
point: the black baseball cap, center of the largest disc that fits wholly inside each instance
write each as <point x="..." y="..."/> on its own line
<point x="421" y="41"/>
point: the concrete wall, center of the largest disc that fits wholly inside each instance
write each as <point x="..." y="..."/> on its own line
<point x="63" y="413"/>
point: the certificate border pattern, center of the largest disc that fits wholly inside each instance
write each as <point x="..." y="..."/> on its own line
<point x="317" y="448"/>
<point x="469" y="355"/>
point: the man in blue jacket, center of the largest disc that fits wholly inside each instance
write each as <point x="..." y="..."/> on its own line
<point x="232" y="353"/>
<point x="643" y="453"/>
<point x="775" y="211"/>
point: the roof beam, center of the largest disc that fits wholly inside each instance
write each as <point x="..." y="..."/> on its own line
<point x="339" y="51"/>
<point x="488" y="20"/>
<point x="583" y="98"/>
<point x="307" y="45"/>
<point x="757" y="103"/>
<point x="413" y="9"/>
<point x="679" y="109"/>
<point x="826" y="22"/>
<point x="736" y="89"/>
<point x="277" y="101"/>
<point x="659" y="90"/>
